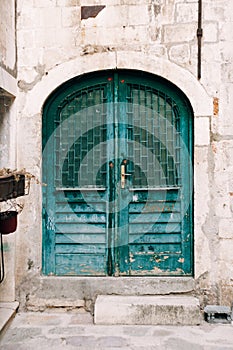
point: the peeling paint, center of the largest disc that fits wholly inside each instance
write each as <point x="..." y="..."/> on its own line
<point x="131" y="259"/>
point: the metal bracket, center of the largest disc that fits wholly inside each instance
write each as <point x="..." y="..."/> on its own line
<point x="217" y="314"/>
<point x="199" y="38"/>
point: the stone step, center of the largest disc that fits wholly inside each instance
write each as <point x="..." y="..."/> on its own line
<point x="147" y="310"/>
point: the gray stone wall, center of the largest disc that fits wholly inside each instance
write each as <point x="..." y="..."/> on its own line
<point x="59" y="39"/>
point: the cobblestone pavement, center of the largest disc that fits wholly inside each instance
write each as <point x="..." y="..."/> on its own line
<point x="69" y="330"/>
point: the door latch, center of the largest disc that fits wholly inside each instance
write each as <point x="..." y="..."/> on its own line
<point x="123" y="175"/>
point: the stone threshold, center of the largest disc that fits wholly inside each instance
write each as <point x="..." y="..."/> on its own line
<point x="73" y="291"/>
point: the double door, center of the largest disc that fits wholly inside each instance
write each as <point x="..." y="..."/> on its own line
<point x="117" y="168"/>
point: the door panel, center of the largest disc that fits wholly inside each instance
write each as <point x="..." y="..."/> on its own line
<point x="103" y="127"/>
<point x="75" y="171"/>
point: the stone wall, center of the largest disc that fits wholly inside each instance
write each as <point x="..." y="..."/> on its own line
<point x="8" y="36"/>
<point x="8" y="149"/>
<point x="59" y="39"/>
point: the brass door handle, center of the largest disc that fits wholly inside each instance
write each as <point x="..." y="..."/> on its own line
<point x="123" y="175"/>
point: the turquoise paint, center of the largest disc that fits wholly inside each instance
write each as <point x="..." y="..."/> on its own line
<point x="116" y="231"/>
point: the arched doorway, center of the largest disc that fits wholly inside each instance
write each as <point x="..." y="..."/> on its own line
<point x="117" y="164"/>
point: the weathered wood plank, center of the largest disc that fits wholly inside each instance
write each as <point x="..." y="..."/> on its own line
<point x="144" y="196"/>
<point x="80" y="218"/>
<point x="80" y="228"/>
<point x="154" y="228"/>
<point x="155" y="238"/>
<point x="80" y="248"/>
<point x="155" y="207"/>
<point x="77" y="207"/>
<point x="80" y="238"/>
<point x="79" y="196"/>
<point x="156" y="264"/>
<point x="80" y="264"/>
<point x="144" y="218"/>
<point x="152" y="248"/>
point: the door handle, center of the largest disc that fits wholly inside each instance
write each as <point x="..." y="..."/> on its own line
<point x="123" y="175"/>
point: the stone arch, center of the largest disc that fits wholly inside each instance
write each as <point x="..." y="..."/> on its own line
<point x="186" y="81"/>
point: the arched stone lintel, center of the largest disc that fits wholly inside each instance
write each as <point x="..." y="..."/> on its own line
<point x="201" y="102"/>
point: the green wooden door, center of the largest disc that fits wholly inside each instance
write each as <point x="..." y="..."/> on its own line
<point x="117" y="152"/>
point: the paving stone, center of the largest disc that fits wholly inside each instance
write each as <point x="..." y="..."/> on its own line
<point x="22" y="334"/>
<point x="111" y="342"/>
<point x="69" y="330"/>
<point x="78" y="341"/>
<point x="181" y="344"/>
<point x="70" y="336"/>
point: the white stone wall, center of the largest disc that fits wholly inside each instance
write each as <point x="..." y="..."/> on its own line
<point x="7" y="36"/>
<point x="158" y="36"/>
<point x="8" y="149"/>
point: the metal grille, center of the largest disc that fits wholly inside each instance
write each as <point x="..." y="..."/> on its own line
<point x="80" y="152"/>
<point x="153" y="138"/>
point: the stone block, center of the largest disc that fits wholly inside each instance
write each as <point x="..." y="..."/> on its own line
<point x="226" y="228"/>
<point x="44" y="3"/>
<point x="147" y="310"/>
<point x="227" y="293"/>
<point x="211" y="73"/>
<point x="213" y="10"/>
<point x="226" y="248"/>
<point x="226" y="32"/>
<point x="29" y="19"/>
<point x="68" y="3"/>
<point x="227" y="72"/>
<point x="71" y="16"/>
<point x="202" y="131"/>
<point x="210" y="32"/>
<point x="28" y="57"/>
<point x="201" y="179"/>
<point x="63" y="37"/>
<point x="226" y="267"/>
<point x="138" y="15"/>
<point x="179" y="33"/>
<point x="50" y="17"/>
<point x="180" y="53"/>
<point x="25" y="38"/>
<point x="202" y="251"/>
<point x="223" y="207"/>
<point x="186" y="13"/>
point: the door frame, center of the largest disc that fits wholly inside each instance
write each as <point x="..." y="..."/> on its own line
<point x="61" y="92"/>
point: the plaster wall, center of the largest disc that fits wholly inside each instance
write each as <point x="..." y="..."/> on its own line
<point x="56" y="44"/>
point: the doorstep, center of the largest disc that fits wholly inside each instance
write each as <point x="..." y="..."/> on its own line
<point x="147" y="310"/>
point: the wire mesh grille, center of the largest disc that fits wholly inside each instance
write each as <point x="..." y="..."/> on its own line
<point x="153" y="138"/>
<point x="80" y="136"/>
